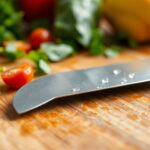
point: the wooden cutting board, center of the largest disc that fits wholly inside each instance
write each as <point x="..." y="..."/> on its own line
<point x="112" y="120"/>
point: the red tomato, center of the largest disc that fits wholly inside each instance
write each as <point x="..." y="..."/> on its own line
<point x="18" y="76"/>
<point x="34" y="9"/>
<point x="39" y="36"/>
<point x="20" y="45"/>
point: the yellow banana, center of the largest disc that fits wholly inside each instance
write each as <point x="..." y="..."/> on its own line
<point x="132" y="16"/>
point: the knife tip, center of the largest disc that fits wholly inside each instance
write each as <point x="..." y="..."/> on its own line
<point x="18" y="111"/>
<point x="18" y="106"/>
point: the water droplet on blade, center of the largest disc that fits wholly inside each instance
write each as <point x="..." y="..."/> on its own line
<point x="74" y="90"/>
<point x="124" y="80"/>
<point x="99" y="87"/>
<point x="131" y="75"/>
<point x="105" y="81"/>
<point x="116" y="72"/>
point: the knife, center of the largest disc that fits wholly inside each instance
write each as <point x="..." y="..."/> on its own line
<point x="51" y="87"/>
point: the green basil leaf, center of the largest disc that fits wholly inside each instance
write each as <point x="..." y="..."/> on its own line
<point x="11" y="48"/>
<point x="12" y="53"/>
<point x="75" y="19"/>
<point x="36" y="56"/>
<point x="43" y="67"/>
<point x="40" y="59"/>
<point x="57" y="52"/>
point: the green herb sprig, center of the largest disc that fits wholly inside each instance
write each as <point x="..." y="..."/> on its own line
<point x="10" y="21"/>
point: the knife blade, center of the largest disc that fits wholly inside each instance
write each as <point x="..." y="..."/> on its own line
<point x="51" y="87"/>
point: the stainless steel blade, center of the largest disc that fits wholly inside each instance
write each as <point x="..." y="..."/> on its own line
<point x="48" y="88"/>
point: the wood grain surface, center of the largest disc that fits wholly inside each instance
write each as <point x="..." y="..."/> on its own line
<point x="112" y="120"/>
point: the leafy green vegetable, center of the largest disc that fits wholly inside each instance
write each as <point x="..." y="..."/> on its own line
<point x="10" y="18"/>
<point x="40" y="60"/>
<point x="36" y="56"/>
<point x="57" y="52"/>
<point x="112" y="51"/>
<point x="12" y="53"/>
<point x="100" y="45"/>
<point x="97" y="46"/>
<point x="78" y="24"/>
<point x="75" y="26"/>
<point x="11" y="47"/>
<point x="75" y="19"/>
<point x="43" y="67"/>
<point x="5" y="34"/>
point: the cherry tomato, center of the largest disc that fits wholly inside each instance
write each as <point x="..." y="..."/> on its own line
<point x="35" y="9"/>
<point x="20" y="45"/>
<point x="18" y="76"/>
<point x="39" y="36"/>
